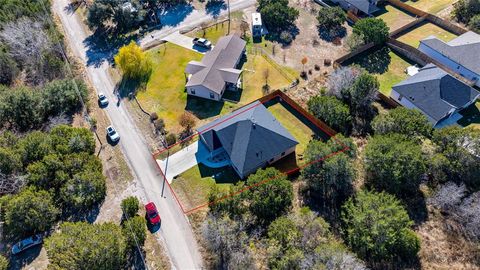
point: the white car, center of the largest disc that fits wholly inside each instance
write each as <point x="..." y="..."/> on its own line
<point x="112" y="134"/>
<point x="202" y="42"/>
<point x="102" y="99"/>
<point x="27" y="243"/>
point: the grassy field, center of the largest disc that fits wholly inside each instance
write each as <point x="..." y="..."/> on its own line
<point x="414" y="36"/>
<point x="193" y="186"/>
<point x="388" y="66"/>
<point x="471" y="116"/>
<point x="395" y="18"/>
<point x="431" y="6"/>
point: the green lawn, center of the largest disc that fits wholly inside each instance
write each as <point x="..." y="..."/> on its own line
<point x="193" y="186"/>
<point x="431" y="6"/>
<point x="388" y="66"/>
<point x="471" y="116"/>
<point x="414" y="36"/>
<point x="297" y="128"/>
<point x="394" y="17"/>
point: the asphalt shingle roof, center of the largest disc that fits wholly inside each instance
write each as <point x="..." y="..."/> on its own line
<point x="219" y="63"/>
<point x="364" y="5"/>
<point x="436" y="92"/>
<point x="464" y="50"/>
<point x="251" y="136"/>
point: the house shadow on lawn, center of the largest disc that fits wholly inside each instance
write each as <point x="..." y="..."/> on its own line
<point x="223" y="175"/>
<point x="203" y="108"/>
<point x="374" y="61"/>
<point x="471" y="115"/>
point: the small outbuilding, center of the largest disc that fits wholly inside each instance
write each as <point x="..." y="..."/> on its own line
<point x="256" y="24"/>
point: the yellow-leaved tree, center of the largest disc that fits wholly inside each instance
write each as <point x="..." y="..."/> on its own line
<point x="133" y="62"/>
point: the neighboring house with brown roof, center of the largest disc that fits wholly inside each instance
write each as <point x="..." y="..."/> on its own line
<point x="217" y="71"/>
<point x="436" y="93"/>
<point x="461" y="55"/>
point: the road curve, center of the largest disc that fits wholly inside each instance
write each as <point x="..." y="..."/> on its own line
<point x="175" y="230"/>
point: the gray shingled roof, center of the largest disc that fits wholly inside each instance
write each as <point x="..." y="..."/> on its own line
<point x="251" y="136"/>
<point x="464" y="50"/>
<point x="218" y="63"/>
<point x="364" y="5"/>
<point x="435" y="92"/>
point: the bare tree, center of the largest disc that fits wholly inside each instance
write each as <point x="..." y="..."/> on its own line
<point x="342" y="79"/>
<point x="10" y="184"/>
<point x="28" y="43"/>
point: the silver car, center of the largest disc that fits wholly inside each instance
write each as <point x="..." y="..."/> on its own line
<point x="27" y="243"/>
<point x="112" y="134"/>
<point x="102" y="99"/>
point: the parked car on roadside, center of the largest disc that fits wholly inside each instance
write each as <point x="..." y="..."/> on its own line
<point x="112" y="134"/>
<point x="102" y="99"/>
<point x="152" y="214"/>
<point x="27" y="243"/>
<point x="202" y="42"/>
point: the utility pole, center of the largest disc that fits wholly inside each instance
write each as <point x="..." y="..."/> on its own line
<point x="228" y="6"/>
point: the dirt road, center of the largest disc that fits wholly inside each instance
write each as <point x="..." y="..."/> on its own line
<point x="175" y="230"/>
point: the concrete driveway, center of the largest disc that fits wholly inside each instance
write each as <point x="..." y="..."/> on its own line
<point x="183" y="160"/>
<point x="185" y="42"/>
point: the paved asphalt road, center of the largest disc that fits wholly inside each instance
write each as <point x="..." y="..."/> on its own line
<point x="175" y="230"/>
<point x="193" y="19"/>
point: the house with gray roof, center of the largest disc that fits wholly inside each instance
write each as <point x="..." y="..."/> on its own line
<point x="251" y="137"/>
<point x="461" y="55"/>
<point x="436" y="93"/>
<point x="368" y="7"/>
<point x="217" y="71"/>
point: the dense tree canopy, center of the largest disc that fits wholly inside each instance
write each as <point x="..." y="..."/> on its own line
<point x="25" y="108"/>
<point x="30" y="212"/>
<point x="330" y="179"/>
<point x="125" y="15"/>
<point x="277" y="15"/>
<point x="411" y="123"/>
<point x="331" y="110"/>
<point x="270" y="196"/>
<point x="459" y="151"/>
<point x="304" y="241"/>
<point x="130" y="206"/>
<point x="394" y="163"/>
<point x="331" y="17"/>
<point x="372" y="29"/>
<point x="135" y="232"/>
<point x="465" y="10"/>
<point x="377" y="228"/>
<point x="76" y="245"/>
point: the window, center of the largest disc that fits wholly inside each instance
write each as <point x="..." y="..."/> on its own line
<point x="400" y="97"/>
<point x="192" y="91"/>
<point x="283" y="154"/>
<point x="212" y="96"/>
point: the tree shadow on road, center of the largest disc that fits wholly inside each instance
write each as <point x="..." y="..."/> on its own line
<point x="174" y="15"/>
<point x="215" y="7"/>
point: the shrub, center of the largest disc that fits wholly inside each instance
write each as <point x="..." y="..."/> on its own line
<point x="332" y="111"/>
<point x="377" y="228"/>
<point x="411" y="123"/>
<point x="474" y="23"/>
<point x="286" y="37"/>
<point x="4" y="263"/>
<point x="372" y="29"/>
<point x="134" y="230"/>
<point x="171" y="139"/>
<point x="159" y="125"/>
<point x="130" y="206"/>
<point x="153" y="117"/>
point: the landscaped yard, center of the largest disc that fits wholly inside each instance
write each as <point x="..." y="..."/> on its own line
<point x="165" y="93"/>
<point x="414" y="36"/>
<point x="388" y="66"/>
<point x="394" y="17"/>
<point x="431" y="6"/>
<point x="193" y="186"/>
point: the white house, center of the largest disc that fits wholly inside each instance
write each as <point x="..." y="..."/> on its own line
<point x="461" y="55"/>
<point x="436" y="93"/>
<point x="217" y="71"/>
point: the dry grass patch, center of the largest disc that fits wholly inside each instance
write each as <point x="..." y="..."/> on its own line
<point x="394" y="17"/>
<point x="430" y="6"/>
<point x="414" y="36"/>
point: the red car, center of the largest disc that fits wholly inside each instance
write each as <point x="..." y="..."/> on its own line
<point x="152" y="213"/>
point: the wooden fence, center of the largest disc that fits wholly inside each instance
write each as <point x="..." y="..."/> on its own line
<point x="352" y="54"/>
<point x="284" y="97"/>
